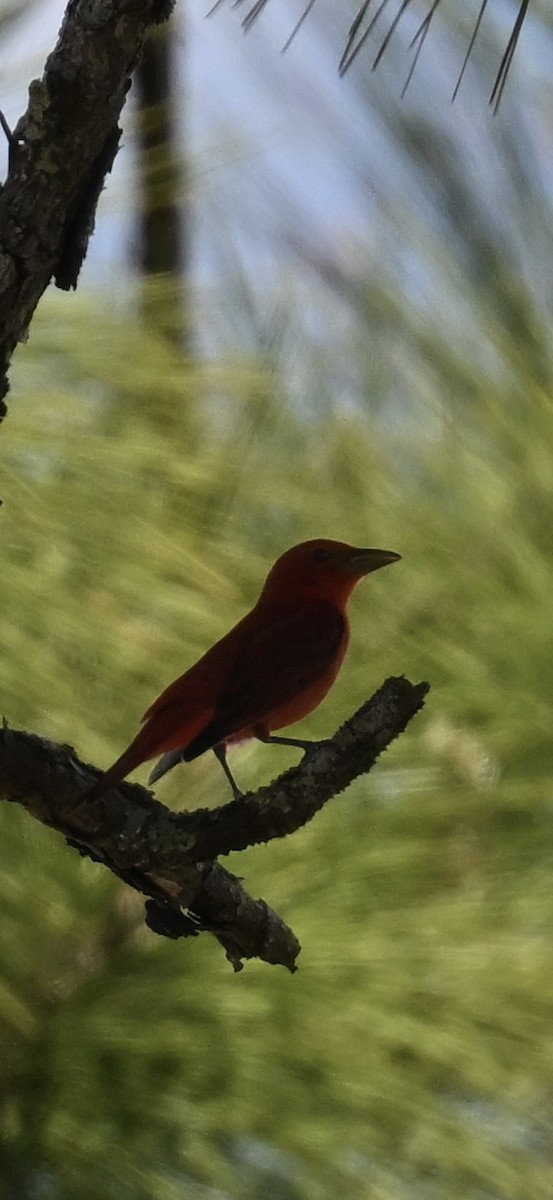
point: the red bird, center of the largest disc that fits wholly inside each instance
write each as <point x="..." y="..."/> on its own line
<point x="273" y="668"/>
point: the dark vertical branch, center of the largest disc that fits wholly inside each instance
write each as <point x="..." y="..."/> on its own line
<point x="163" y="228"/>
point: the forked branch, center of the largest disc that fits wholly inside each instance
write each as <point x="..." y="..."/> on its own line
<point x="171" y="857"/>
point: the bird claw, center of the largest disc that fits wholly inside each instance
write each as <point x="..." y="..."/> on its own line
<point x="313" y="748"/>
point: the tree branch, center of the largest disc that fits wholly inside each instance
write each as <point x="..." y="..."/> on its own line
<point x="170" y="857"/>
<point x="60" y="152"/>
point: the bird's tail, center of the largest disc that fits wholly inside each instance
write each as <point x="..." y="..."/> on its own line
<point x="166" y="763"/>
<point x="145" y="745"/>
<point x="158" y="736"/>
<point x="127" y="761"/>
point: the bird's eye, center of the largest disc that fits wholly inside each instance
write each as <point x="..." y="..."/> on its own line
<point x="320" y="555"/>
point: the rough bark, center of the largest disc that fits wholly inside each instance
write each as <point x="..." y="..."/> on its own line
<point x="60" y="152"/>
<point x="171" y="857"/>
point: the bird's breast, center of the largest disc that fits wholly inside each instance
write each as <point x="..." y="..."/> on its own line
<point x="310" y="697"/>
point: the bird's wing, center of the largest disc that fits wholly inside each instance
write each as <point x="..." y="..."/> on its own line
<point x="280" y="661"/>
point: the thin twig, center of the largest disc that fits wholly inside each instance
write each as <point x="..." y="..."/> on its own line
<point x="348" y="58"/>
<point x="298" y="25"/>
<point x="470" y="47"/>
<point x="505" y="64"/>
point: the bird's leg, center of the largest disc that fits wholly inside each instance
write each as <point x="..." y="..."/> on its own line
<point x="269" y="739"/>
<point x="221" y="756"/>
<point x="300" y="743"/>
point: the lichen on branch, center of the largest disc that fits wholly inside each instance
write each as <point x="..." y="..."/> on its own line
<point x="171" y="857"/>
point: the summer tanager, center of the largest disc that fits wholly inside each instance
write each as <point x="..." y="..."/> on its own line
<point x="273" y="668"/>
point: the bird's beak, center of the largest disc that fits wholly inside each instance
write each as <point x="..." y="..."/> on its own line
<point x="365" y="561"/>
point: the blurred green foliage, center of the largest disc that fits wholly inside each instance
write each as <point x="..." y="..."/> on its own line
<point x="409" y="1057"/>
<point x="401" y="396"/>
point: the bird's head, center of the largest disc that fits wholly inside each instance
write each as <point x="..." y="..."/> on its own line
<point x="323" y="569"/>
